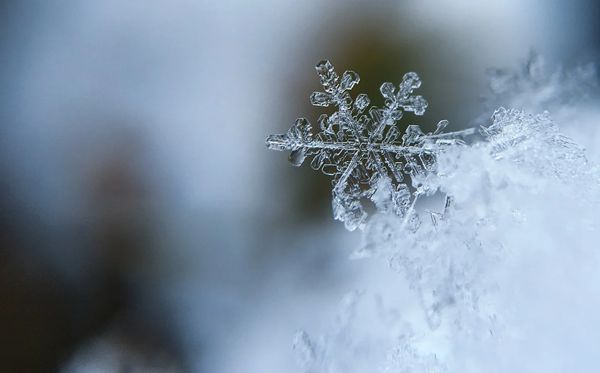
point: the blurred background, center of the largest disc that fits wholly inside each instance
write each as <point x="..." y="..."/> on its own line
<point x="144" y="225"/>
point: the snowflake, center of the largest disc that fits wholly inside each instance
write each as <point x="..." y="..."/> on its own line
<point x="363" y="150"/>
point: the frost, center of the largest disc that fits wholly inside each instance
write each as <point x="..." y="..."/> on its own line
<point x="526" y="138"/>
<point x="363" y="150"/>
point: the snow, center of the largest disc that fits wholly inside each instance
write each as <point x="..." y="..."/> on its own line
<point x="501" y="277"/>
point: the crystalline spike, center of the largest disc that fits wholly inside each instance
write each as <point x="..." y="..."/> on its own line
<point x="324" y="123"/>
<point x="410" y="81"/>
<point x="360" y="150"/>
<point x="324" y="68"/>
<point x="319" y="161"/>
<point x="442" y="124"/>
<point x="278" y="142"/>
<point x="392" y="136"/>
<point x="361" y="102"/>
<point x="412" y="135"/>
<point x="349" y="80"/>
<point x="320" y="99"/>
<point x="376" y="115"/>
<point x="402" y="199"/>
<point x="327" y="75"/>
<point x="348" y="210"/>
<point x="417" y="106"/>
<point x="396" y="115"/>
<point x="387" y="90"/>
<point x="300" y="132"/>
<point x="344" y="101"/>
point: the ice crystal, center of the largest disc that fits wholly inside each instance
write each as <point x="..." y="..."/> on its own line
<point x="361" y="147"/>
<point x="570" y="93"/>
<point x="516" y="134"/>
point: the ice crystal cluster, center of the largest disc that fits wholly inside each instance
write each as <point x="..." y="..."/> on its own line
<point x="570" y="94"/>
<point x="362" y="148"/>
<point x="501" y="277"/>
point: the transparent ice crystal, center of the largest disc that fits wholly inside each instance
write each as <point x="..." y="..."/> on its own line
<point x="361" y="147"/>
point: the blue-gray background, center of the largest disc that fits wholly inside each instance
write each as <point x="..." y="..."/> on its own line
<point x="143" y="222"/>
